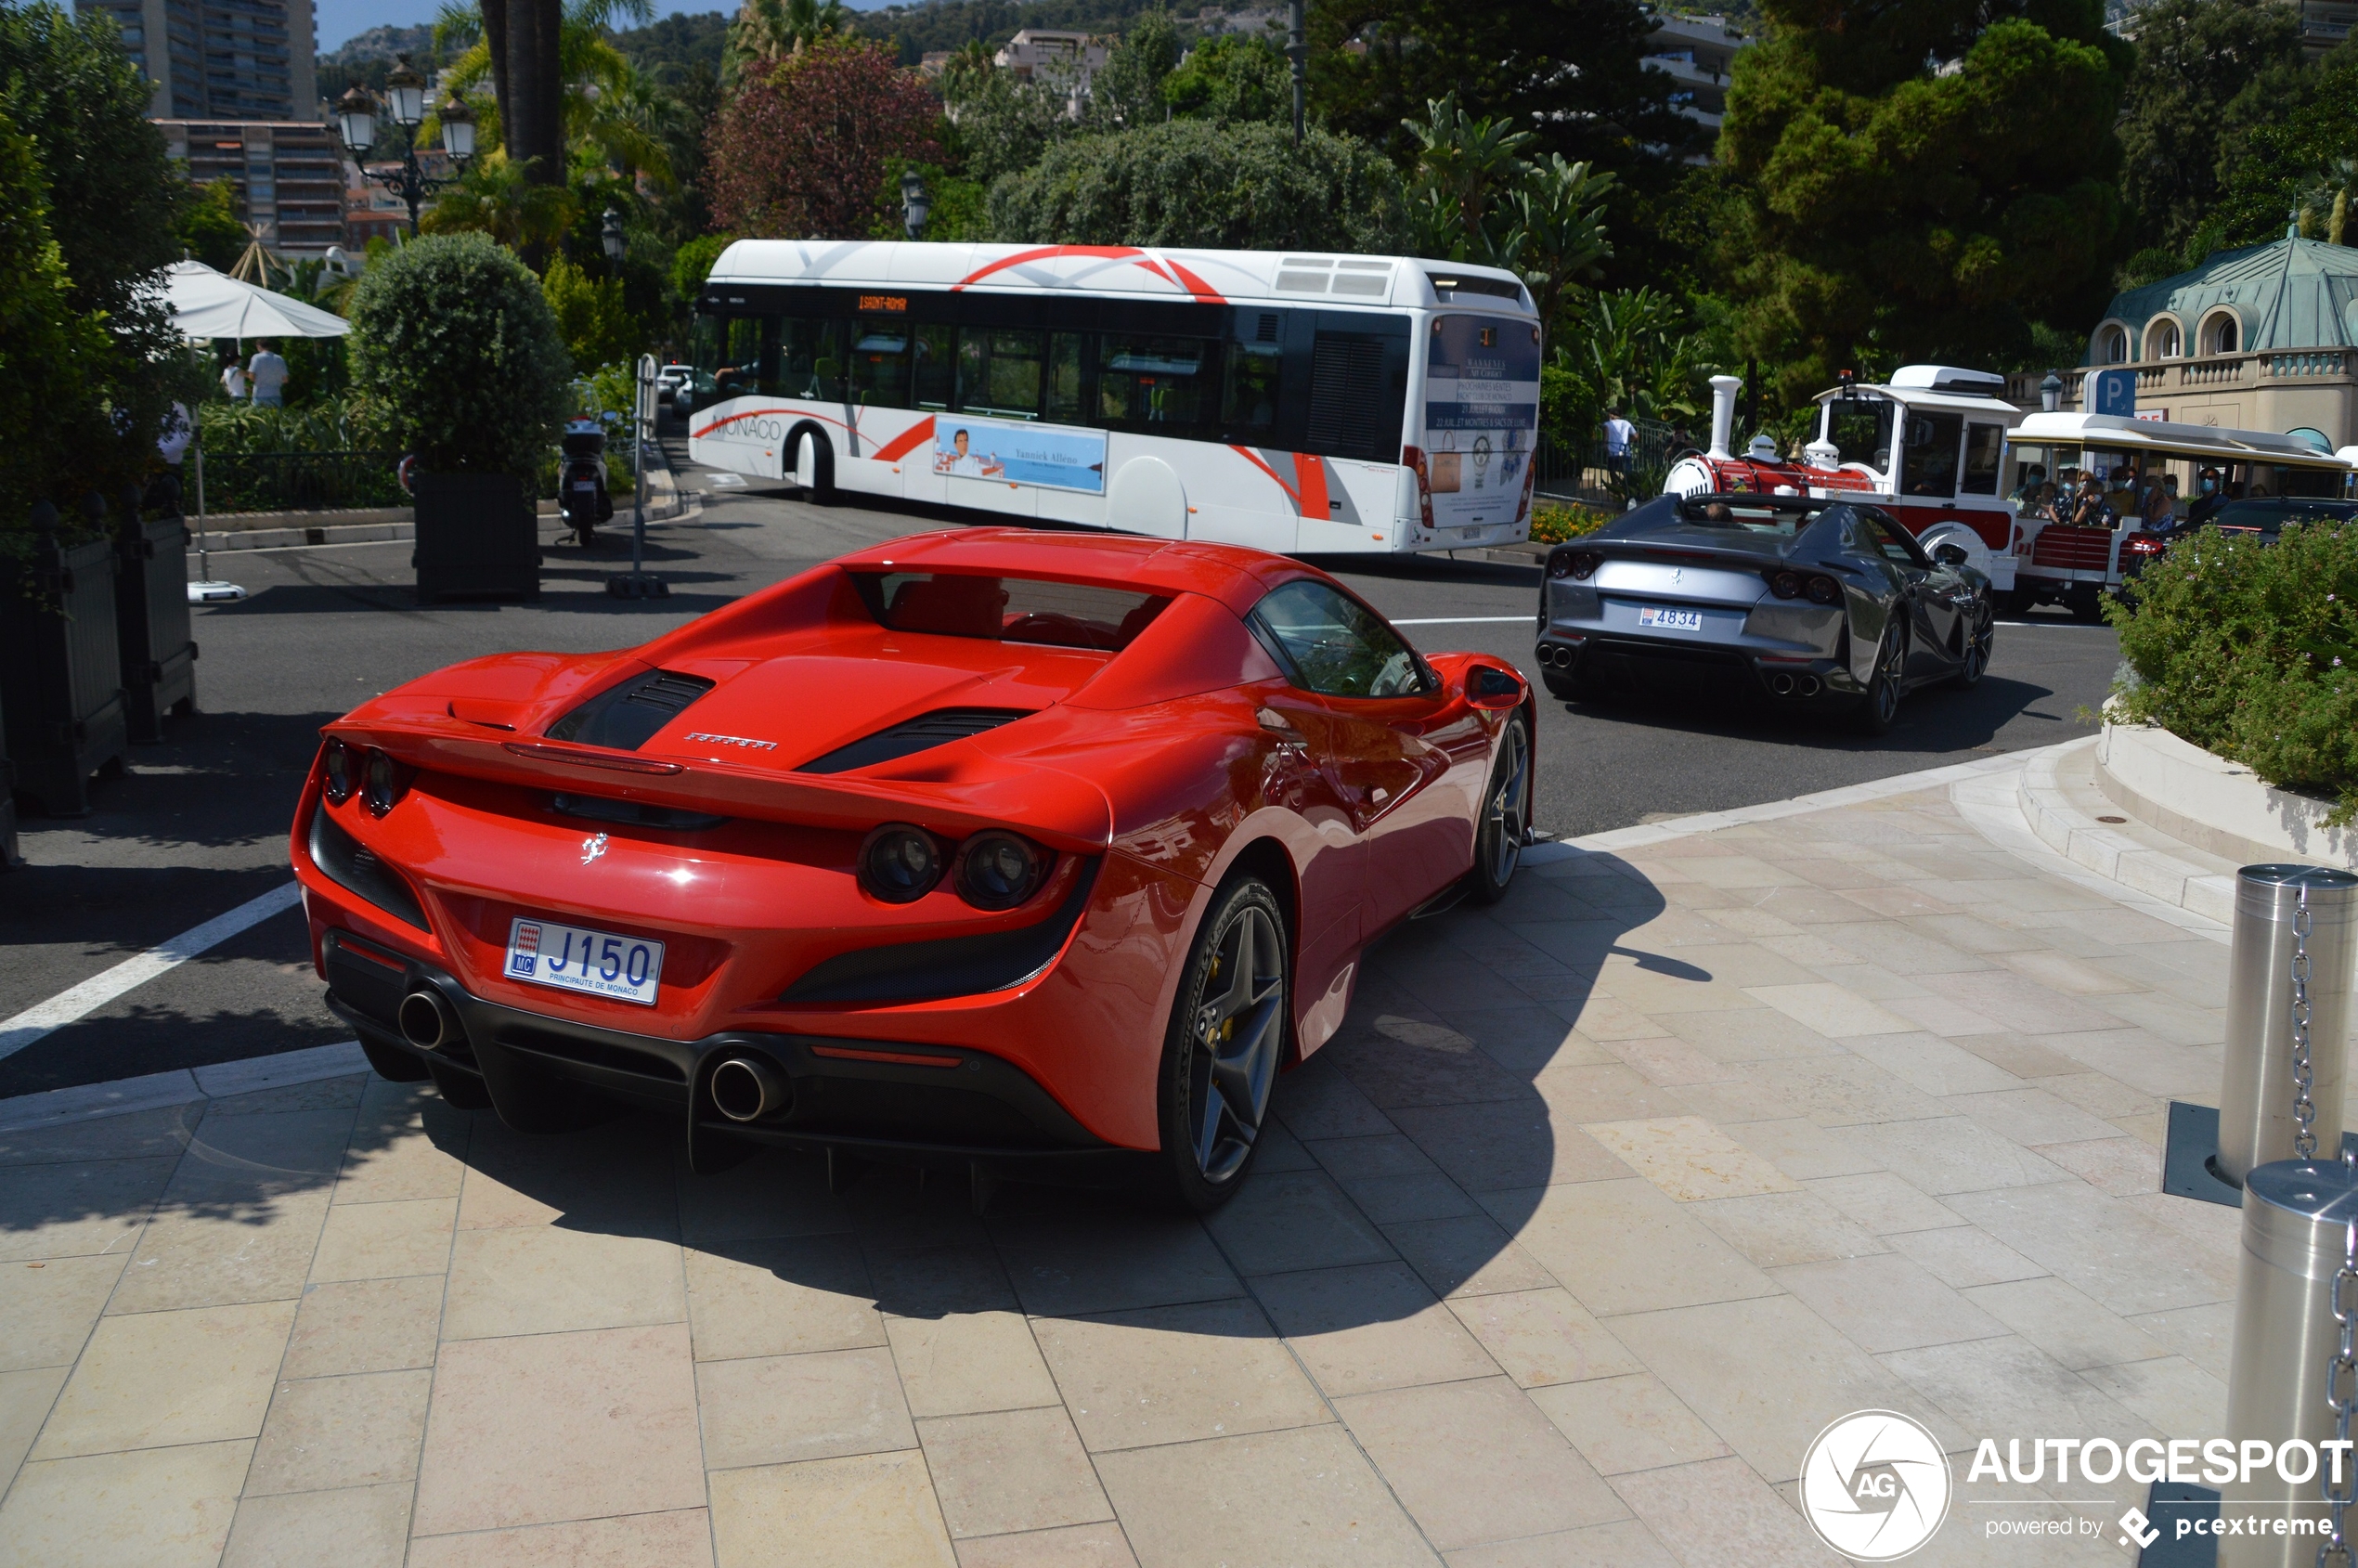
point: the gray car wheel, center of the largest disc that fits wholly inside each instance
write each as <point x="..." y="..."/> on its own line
<point x="1225" y="1041"/>
<point x="1978" y="644"/>
<point x="1880" y="703"/>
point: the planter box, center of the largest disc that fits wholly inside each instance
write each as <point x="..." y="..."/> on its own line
<point x="60" y="674"/>
<point x="2214" y="803"/>
<point x="9" y="855"/>
<point x="477" y="534"/>
<point x="151" y="623"/>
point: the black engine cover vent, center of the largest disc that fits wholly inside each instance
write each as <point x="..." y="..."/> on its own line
<point x="912" y="735"/>
<point x="625" y="718"/>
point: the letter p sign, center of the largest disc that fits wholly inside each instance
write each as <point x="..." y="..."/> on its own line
<point x="2113" y="392"/>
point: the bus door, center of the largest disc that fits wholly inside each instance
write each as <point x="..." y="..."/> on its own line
<point x="1480" y="420"/>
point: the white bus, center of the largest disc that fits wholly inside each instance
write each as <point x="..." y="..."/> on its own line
<point x="1247" y="397"/>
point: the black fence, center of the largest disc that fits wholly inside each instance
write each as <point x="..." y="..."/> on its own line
<point x="300" y="481"/>
<point x="1585" y="470"/>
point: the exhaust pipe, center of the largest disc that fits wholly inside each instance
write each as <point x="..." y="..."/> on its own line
<point x="1723" y="414"/>
<point x="747" y="1089"/>
<point x="1782" y="685"/>
<point x="1808" y="686"/>
<point x="428" y="1021"/>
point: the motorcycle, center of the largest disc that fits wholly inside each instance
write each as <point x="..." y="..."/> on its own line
<point x="581" y="482"/>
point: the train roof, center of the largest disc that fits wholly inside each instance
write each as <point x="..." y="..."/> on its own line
<point x="1305" y="277"/>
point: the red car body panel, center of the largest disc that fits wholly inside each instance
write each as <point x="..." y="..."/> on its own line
<point x="1148" y="770"/>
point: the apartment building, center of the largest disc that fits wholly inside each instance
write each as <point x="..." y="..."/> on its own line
<point x="288" y="175"/>
<point x="222" y="59"/>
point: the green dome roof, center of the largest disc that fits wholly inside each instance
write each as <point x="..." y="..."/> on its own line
<point x="2291" y="293"/>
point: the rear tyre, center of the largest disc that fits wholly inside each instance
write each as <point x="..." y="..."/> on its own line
<point x="815" y="458"/>
<point x="1226" y="1040"/>
<point x="1978" y="644"/>
<point x="2087" y="605"/>
<point x="1506" y="804"/>
<point x="1880" y="703"/>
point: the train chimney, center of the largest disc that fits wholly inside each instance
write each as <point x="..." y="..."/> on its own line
<point x="1723" y="414"/>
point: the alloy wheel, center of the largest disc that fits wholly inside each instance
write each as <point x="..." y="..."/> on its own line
<point x="1238" y="1034"/>
<point x="1888" y="670"/>
<point x="1502" y="820"/>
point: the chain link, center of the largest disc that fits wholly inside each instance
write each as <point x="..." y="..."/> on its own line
<point x="2304" y="1111"/>
<point x="2338" y="1479"/>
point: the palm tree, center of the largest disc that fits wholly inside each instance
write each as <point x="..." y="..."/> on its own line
<point x="1466" y="164"/>
<point x="601" y="102"/>
<point x="770" y="29"/>
<point x="497" y="196"/>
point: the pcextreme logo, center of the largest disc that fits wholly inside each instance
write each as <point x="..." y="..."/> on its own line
<point x="1876" y="1486"/>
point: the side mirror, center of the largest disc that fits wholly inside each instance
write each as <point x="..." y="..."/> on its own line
<point x="1950" y="554"/>
<point x="1489" y="686"/>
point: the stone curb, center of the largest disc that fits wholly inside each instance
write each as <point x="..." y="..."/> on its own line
<point x="158" y="1091"/>
<point x="2081" y="839"/>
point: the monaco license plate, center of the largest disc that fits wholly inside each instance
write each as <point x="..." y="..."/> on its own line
<point x="1670" y="620"/>
<point x="575" y="958"/>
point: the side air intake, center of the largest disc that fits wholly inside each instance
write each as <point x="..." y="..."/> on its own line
<point x="913" y="735"/>
<point x="625" y="718"/>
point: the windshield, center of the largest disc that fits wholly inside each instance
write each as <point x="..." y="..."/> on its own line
<point x="1008" y="609"/>
<point x="1783" y="523"/>
<point x="1860" y="430"/>
<point x="2268" y="516"/>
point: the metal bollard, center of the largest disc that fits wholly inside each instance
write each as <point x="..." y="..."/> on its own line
<point x="2296" y="1238"/>
<point x="2261" y="1093"/>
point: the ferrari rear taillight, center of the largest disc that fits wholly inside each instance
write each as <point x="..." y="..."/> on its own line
<point x="1413" y="459"/>
<point x="1796" y="585"/>
<point x="997" y="870"/>
<point x="381" y="782"/>
<point x="340" y="772"/>
<point x="1577" y="564"/>
<point x="898" y="863"/>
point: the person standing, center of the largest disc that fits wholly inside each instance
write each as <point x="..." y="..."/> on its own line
<point x="270" y="374"/>
<point x="1618" y="435"/>
<point x="233" y="381"/>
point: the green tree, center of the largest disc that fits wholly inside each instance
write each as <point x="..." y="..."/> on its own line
<point x="495" y="196"/>
<point x="803" y="151"/>
<point x="1187" y="182"/>
<point x="207" y="226"/>
<point x="456" y="351"/>
<point x="1921" y="180"/>
<point x="1466" y="164"/>
<point x="1127" y="92"/>
<point x="693" y="263"/>
<point x="52" y="406"/>
<point x="1556" y="229"/>
<point x="2208" y="72"/>
<point x="1232" y="78"/>
<point x="594" y="323"/>
<point x="111" y="195"/>
<point x="766" y="32"/>
<point x="1000" y="122"/>
<point x="2283" y="159"/>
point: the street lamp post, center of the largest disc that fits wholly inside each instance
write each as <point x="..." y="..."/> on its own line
<point x="1297" y="51"/>
<point x="2050" y="393"/>
<point x="405" y="102"/>
<point x="610" y="238"/>
<point x="916" y="204"/>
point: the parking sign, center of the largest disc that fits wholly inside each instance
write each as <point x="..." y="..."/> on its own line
<point x="2113" y="392"/>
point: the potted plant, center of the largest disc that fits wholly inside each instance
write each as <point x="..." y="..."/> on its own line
<point x="158" y="657"/>
<point x="456" y="349"/>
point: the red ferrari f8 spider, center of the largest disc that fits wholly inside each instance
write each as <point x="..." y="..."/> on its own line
<point x="1021" y="854"/>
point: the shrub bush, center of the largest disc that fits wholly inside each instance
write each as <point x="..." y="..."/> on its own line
<point x="456" y="351"/>
<point x="1554" y="522"/>
<point x="2251" y="650"/>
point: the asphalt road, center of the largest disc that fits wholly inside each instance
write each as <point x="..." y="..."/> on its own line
<point x="197" y="824"/>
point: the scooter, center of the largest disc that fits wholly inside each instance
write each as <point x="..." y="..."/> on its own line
<point x="581" y="481"/>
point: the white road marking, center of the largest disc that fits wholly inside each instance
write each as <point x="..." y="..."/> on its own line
<point x="45" y="1018"/>
<point x="1471" y="620"/>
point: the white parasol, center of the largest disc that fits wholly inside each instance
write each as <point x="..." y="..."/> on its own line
<point x="206" y="304"/>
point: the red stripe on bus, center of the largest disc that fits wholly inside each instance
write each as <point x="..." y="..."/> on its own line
<point x="1196" y="286"/>
<point x="1254" y="457"/>
<point x="1311" y="473"/>
<point x="1046" y="253"/>
<point x="907" y="441"/>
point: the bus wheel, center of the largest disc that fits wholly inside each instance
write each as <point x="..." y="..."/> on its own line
<point x="815" y="463"/>
<point x="2087" y="605"/>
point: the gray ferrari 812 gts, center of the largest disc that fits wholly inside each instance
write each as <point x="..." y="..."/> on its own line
<point x="1809" y="603"/>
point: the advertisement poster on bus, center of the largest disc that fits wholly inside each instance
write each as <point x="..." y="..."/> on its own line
<point x="1021" y="454"/>
<point x="1481" y="416"/>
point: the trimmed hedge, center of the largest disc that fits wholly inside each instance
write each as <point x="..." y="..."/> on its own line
<point x="2251" y="650"/>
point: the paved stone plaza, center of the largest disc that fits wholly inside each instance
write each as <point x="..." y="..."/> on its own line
<point x="1602" y="1205"/>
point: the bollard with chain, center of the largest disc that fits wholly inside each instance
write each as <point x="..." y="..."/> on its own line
<point x="2296" y="937"/>
<point x="2341" y="1392"/>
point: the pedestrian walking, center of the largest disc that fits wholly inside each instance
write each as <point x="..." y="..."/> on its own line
<point x="233" y="381"/>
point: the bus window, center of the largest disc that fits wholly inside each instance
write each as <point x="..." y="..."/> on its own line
<point x="748" y="357"/>
<point x="999" y="371"/>
<point x="1065" y="406"/>
<point x="1928" y="461"/>
<point x="1984" y="443"/>
<point x="880" y="364"/>
<point x="936" y="366"/>
<point x="810" y="359"/>
<point x="1248" y="391"/>
<point x="1154" y="383"/>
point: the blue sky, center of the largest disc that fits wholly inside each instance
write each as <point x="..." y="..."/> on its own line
<point x="340" y="19"/>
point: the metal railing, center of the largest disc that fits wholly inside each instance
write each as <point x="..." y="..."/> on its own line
<point x="1578" y="470"/>
<point x="300" y="481"/>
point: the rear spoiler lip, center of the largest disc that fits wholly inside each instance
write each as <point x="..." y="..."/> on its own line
<point x="1061" y="809"/>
